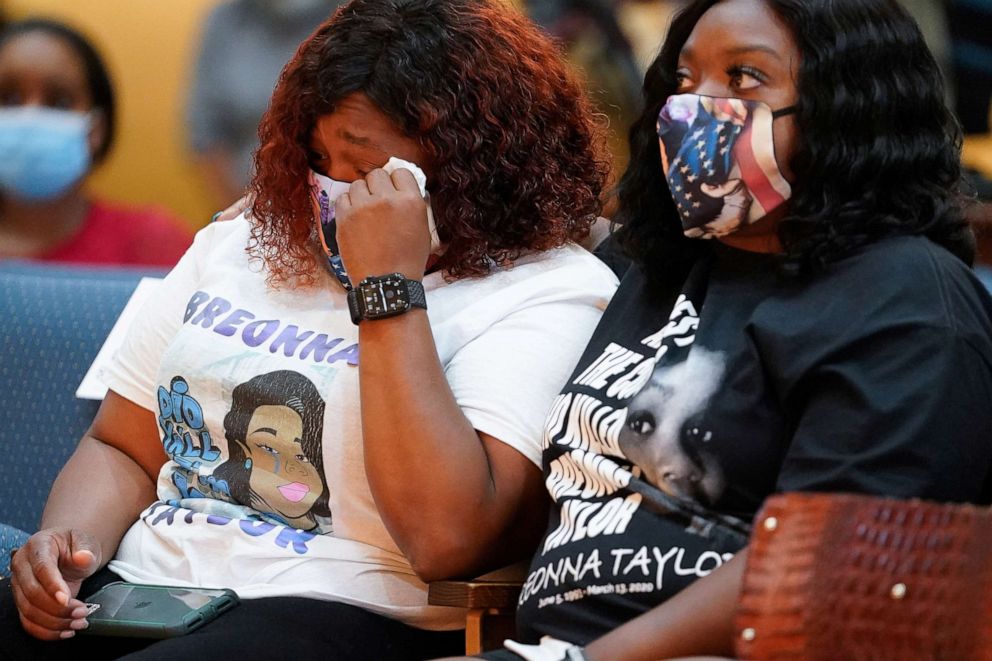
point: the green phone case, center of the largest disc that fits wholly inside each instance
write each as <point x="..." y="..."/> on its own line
<point x="155" y="611"/>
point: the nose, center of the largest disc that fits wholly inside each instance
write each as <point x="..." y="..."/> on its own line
<point x="681" y="478"/>
<point x="297" y="467"/>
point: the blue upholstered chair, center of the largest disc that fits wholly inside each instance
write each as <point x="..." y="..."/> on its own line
<point x="54" y="321"/>
<point x="10" y="539"/>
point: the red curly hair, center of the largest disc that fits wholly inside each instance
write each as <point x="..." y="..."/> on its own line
<point x="516" y="151"/>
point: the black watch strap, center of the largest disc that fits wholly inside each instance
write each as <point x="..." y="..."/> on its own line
<point x="363" y="303"/>
<point x="353" y="307"/>
<point x="418" y="299"/>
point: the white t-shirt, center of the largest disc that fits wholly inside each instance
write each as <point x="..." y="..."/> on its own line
<point x="256" y="393"/>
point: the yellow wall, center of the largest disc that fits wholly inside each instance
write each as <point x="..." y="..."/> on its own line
<point x="149" y="46"/>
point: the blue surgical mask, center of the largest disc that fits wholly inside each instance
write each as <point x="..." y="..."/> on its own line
<point x="43" y="151"/>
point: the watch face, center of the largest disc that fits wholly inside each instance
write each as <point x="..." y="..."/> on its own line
<point x="385" y="297"/>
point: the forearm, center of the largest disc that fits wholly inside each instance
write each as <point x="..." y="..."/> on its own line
<point x="429" y="471"/>
<point x="454" y="499"/>
<point x="697" y="621"/>
<point x="100" y="490"/>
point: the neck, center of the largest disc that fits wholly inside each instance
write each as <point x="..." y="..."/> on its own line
<point x="764" y="243"/>
<point x="761" y="236"/>
<point x="29" y="228"/>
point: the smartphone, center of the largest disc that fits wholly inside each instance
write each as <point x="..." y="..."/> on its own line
<point x="154" y="611"/>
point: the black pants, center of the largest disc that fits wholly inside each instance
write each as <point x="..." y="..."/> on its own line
<point x="271" y="628"/>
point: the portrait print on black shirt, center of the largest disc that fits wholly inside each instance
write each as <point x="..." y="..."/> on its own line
<point x="692" y="405"/>
<point x="630" y="463"/>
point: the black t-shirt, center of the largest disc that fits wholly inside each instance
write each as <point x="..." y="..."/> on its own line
<point x="690" y="407"/>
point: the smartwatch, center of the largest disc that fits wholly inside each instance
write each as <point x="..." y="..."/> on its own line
<point x="382" y="296"/>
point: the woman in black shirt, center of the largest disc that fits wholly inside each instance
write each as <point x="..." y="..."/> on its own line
<point x="829" y="336"/>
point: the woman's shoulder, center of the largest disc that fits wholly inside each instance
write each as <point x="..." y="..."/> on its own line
<point x="566" y="272"/>
<point x="908" y="277"/>
<point x="219" y="248"/>
<point x="903" y="287"/>
<point x="569" y="259"/>
<point x="230" y="236"/>
<point x="908" y="254"/>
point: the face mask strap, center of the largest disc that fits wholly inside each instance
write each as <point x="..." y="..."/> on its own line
<point x="789" y="110"/>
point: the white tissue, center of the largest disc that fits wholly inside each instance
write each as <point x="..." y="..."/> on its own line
<point x="394" y="164"/>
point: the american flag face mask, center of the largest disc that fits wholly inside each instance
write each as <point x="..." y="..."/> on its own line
<point x="718" y="156"/>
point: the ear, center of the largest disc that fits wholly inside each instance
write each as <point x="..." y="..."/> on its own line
<point x="98" y="130"/>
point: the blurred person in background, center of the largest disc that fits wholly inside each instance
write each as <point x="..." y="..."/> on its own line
<point x="245" y="45"/>
<point x="971" y="34"/>
<point x="959" y="32"/>
<point x="971" y="31"/>
<point x="57" y="118"/>
<point x="596" y="44"/>
<point x="932" y="17"/>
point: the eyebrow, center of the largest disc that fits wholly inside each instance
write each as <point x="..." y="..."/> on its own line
<point x="267" y="430"/>
<point x="741" y="50"/>
<point x="752" y="48"/>
<point x="358" y="140"/>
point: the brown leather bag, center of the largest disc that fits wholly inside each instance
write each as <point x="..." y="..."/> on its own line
<point x="847" y="577"/>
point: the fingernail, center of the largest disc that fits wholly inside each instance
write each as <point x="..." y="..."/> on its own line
<point x="79" y="613"/>
<point x="67" y="634"/>
<point x="78" y="624"/>
<point x="62" y="598"/>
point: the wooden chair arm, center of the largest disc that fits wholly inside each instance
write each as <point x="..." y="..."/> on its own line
<point x="474" y="594"/>
<point x="491" y="608"/>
